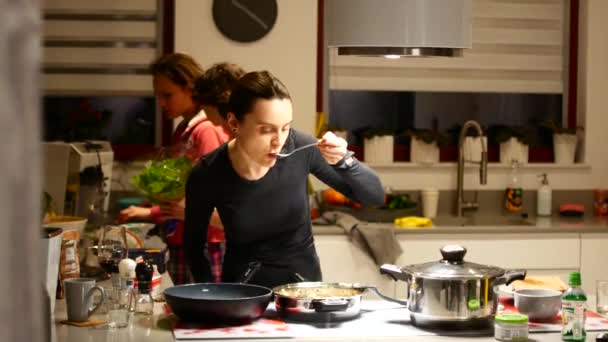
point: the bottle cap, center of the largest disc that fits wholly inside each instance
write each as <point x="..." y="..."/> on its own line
<point x="574" y="279"/>
<point x="511" y="319"/>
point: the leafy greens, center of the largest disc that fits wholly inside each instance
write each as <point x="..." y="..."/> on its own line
<point x="164" y="180"/>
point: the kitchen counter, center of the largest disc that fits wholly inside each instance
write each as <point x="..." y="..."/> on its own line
<point x="493" y="225"/>
<point x="380" y="321"/>
<point x="157" y="329"/>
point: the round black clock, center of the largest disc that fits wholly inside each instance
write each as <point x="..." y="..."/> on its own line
<point x="244" y="20"/>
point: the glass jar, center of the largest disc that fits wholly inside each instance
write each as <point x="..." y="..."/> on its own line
<point x="511" y="327"/>
<point x="144" y="303"/>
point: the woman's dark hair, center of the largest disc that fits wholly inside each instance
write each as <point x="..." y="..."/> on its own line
<point x="179" y="68"/>
<point x="253" y="86"/>
<point x="214" y="87"/>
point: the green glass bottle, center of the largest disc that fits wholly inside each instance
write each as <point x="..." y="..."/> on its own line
<point x="574" y="310"/>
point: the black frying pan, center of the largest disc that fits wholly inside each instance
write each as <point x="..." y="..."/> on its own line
<point x="219" y="301"/>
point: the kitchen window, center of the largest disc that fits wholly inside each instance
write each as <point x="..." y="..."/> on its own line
<point x="518" y="73"/>
<point x="95" y="72"/>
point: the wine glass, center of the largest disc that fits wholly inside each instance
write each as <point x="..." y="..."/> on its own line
<point x="112" y="248"/>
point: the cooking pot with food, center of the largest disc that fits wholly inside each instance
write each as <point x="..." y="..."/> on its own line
<point x="451" y="293"/>
<point x="318" y="301"/>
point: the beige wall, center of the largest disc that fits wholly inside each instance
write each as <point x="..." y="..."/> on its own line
<point x="289" y="50"/>
<point x="593" y="86"/>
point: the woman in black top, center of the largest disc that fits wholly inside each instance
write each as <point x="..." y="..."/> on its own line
<point x="262" y="199"/>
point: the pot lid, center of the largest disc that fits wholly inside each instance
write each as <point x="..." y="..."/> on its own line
<point x="453" y="266"/>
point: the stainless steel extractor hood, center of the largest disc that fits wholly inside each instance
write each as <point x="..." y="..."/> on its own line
<point x="399" y="27"/>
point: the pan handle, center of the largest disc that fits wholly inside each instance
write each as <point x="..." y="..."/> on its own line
<point x="298" y="277"/>
<point x="379" y="294"/>
<point x="329" y="305"/>
<point x="252" y="269"/>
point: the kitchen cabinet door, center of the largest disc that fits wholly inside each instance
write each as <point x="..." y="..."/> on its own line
<point x="540" y="254"/>
<point x="594" y="260"/>
<point x="341" y="261"/>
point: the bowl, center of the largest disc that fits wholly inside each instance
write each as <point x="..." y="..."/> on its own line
<point x="538" y="304"/>
<point x="66" y="223"/>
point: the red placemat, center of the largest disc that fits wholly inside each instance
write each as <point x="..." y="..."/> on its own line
<point x="593" y="322"/>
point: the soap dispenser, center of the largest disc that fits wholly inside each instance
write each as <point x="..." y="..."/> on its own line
<point x="543" y="197"/>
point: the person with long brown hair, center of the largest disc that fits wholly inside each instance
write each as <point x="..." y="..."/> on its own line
<point x="174" y="76"/>
<point x="260" y="195"/>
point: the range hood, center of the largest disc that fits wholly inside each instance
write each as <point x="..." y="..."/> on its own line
<point x="394" y="28"/>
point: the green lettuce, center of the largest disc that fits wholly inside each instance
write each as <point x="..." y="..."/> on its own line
<point x="164" y="180"/>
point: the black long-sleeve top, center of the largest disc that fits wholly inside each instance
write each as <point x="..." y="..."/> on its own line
<point x="266" y="220"/>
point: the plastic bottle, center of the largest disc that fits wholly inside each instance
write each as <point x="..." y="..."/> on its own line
<point x="574" y="310"/>
<point x="514" y="192"/>
<point x="543" y="197"/>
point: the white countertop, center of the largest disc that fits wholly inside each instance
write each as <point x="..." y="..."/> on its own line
<point x="372" y="326"/>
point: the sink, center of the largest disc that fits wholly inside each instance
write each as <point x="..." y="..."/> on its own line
<point x="463" y="221"/>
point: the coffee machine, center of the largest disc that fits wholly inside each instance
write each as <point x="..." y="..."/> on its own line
<point x="78" y="176"/>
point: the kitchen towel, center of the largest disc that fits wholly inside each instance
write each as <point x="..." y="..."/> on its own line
<point x="377" y="240"/>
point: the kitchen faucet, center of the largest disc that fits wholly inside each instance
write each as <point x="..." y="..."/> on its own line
<point x="461" y="204"/>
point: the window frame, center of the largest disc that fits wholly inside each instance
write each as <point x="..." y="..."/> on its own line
<point x="570" y="95"/>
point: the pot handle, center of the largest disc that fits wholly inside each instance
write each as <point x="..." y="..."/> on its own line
<point x="511" y="276"/>
<point x="329" y="305"/>
<point x="387" y="298"/>
<point x="393" y="271"/>
<point x="252" y="269"/>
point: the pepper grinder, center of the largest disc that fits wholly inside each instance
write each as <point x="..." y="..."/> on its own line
<point x="144" y="303"/>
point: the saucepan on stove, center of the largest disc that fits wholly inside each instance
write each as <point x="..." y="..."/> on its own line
<point x="319" y="301"/>
<point x="222" y="302"/>
<point x="451" y="293"/>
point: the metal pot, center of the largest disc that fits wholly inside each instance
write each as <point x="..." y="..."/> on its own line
<point x="451" y="293"/>
<point x="318" y="301"/>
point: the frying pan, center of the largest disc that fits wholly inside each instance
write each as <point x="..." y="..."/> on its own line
<point x="222" y="302"/>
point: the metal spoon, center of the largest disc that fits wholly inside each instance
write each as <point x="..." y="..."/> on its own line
<point x="283" y="155"/>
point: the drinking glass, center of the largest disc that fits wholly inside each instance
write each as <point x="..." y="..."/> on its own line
<point x="602" y="297"/>
<point x="118" y="303"/>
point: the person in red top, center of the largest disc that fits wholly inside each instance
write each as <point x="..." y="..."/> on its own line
<point x="174" y="76"/>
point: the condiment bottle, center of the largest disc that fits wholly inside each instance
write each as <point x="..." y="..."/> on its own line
<point x="543" y="197"/>
<point x="144" y="303"/>
<point x="574" y="310"/>
<point x="514" y="192"/>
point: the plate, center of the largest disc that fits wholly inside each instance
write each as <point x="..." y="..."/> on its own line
<point x="133" y="241"/>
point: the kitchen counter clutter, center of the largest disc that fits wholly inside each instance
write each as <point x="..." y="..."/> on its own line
<point x="552" y="247"/>
<point x="379" y="321"/>
<point x="493" y="225"/>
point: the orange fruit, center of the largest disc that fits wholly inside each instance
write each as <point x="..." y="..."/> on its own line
<point x="331" y="196"/>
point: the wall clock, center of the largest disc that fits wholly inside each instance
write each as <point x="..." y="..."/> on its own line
<point x="245" y="20"/>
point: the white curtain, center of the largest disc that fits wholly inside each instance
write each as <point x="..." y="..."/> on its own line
<point x="22" y="313"/>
